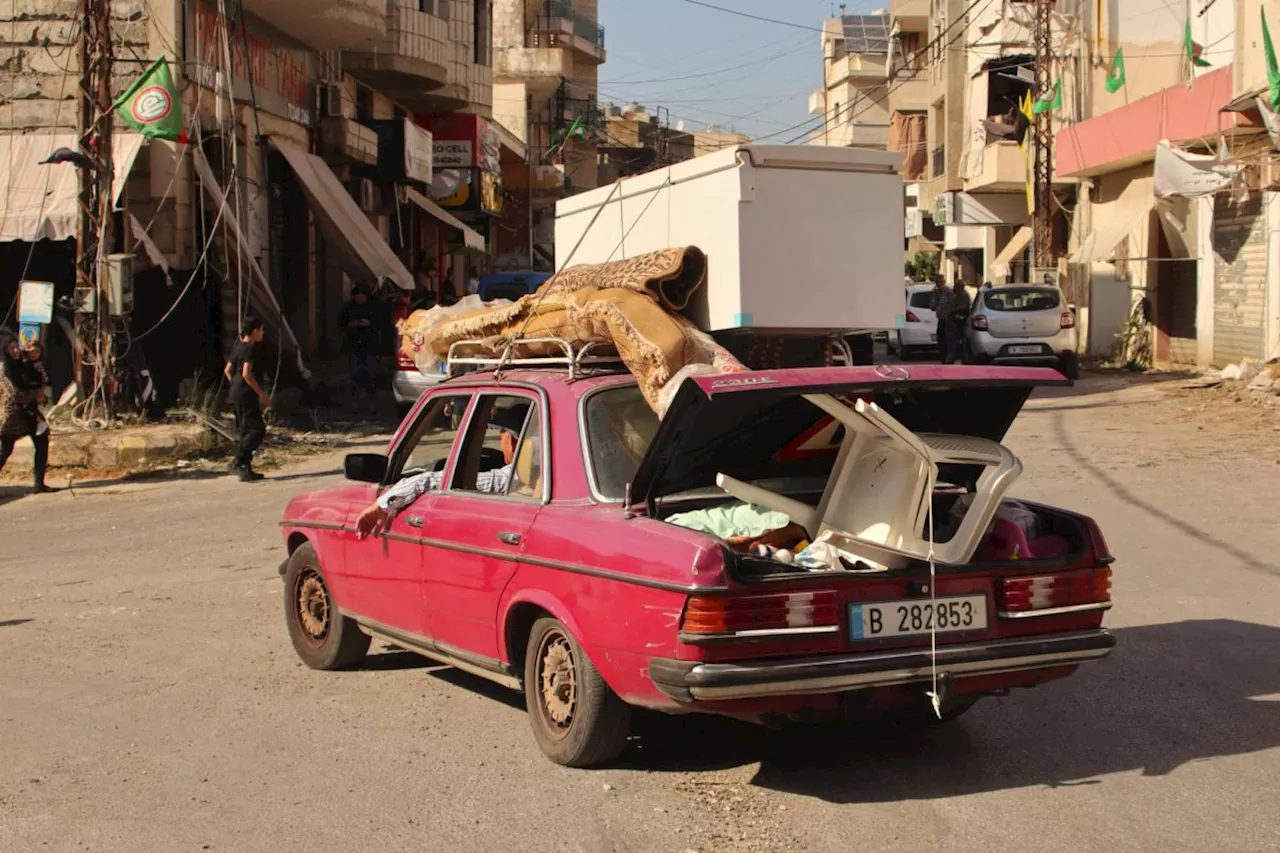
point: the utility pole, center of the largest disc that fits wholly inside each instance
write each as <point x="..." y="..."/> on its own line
<point x="94" y="240"/>
<point x="1042" y="141"/>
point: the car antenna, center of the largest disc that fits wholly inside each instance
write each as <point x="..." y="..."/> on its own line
<point x="626" y="503"/>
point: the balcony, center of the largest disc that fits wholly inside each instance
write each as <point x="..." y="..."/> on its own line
<point x="910" y="16"/>
<point x="326" y="24"/>
<point x="1003" y="169"/>
<point x="855" y="67"/>
<point x="558" y="25"/>
<point x="416" y="63"/>
<point x="910" y="90"/>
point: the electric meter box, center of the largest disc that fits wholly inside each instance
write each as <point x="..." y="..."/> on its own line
<point x="120" y="285"/>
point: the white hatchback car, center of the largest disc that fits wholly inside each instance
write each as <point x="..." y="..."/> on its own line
<point x="1023" y="324"/>
<point x="920" y="332"/>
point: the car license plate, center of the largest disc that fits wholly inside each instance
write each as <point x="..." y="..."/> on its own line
<point x="880" y="619"/>
<point x="1025" y="350"/>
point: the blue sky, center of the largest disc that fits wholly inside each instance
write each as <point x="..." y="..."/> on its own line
<point x="686" y="57"/>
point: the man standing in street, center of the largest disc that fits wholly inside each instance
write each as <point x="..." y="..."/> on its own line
<point x="944" y="306"/>
<point x="247" y="398"/>
<point x="360" y="339"/>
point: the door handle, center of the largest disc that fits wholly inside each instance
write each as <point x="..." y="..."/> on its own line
<point x="509" y="538"/>
<point x="414" y="521"/>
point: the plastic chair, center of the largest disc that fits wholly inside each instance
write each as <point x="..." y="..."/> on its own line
<point x="876" y="504"/>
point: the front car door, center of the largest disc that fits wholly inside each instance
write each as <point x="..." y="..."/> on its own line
<point x="386" y="570"/>
<point x="477" y="528"/>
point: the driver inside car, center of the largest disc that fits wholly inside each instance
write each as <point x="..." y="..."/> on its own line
<point x="509" y="422"/>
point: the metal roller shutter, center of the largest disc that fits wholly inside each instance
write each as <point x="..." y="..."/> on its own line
<point x="1240" y="288"/>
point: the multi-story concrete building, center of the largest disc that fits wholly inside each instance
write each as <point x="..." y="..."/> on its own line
<point x="547" y="55"/>
<point x="854" y="99"/>
<point x="306" y="117"/>
<point x="635" y="141"/>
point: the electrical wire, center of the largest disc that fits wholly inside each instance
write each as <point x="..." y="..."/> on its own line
<point x="756" y="17"/>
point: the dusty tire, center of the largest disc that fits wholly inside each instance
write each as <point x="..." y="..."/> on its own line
<point x="577" y="719"/>
<point x="322" y="637"/>
<point x="1069" y="366"/>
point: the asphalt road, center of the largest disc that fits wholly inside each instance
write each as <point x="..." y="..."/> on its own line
<point x="150" y="701"/>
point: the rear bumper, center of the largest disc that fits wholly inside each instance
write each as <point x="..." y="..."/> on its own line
<point x="694" y="681"/>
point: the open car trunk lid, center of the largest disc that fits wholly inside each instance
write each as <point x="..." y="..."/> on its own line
<point x="758" y="426"/>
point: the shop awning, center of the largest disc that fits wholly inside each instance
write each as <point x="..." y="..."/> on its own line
<point x="1016" y="246"/>
<point x="470" y="236"/>
<point x="343" y="221"/>
<point x="260" y="297"/>
<point x="1115" y="221"/>
<point x="42" y="202"/>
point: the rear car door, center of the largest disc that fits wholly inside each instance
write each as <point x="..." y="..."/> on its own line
<point x="478" y="526"/>
<point x="386" y="570"/>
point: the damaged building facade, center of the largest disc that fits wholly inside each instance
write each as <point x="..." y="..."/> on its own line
<point x="310" y="165"/>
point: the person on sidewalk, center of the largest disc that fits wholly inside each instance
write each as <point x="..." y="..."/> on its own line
<point x="360" y="340"/>
<point x="247" y="398"/>
<point x="21" y="392"/>
<point x="944" y="306"/>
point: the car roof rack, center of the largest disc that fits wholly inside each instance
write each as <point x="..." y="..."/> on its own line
<point x="574" y="356"/>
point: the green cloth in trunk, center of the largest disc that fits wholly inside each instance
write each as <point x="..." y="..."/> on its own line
<point x="731" y="520"/>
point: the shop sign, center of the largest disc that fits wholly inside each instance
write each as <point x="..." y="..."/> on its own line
<point x="279" y="80"/>
<point x="462" y="141"/>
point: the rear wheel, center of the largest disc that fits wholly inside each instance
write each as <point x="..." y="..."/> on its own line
<point x="1070" y="366"/>
<point x="904" y="351"/>
<point x="321" y="635"/>
<point x="577" y="719"/>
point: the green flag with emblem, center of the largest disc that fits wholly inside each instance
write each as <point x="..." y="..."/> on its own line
<point x="1115" y="77"/>
<point x="1051" y="101"/>
<point x="151" y="105"/>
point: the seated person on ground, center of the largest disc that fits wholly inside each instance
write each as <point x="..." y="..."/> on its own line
<point x="509" y="422"/>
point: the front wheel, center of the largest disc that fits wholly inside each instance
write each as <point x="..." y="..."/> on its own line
<point x="321" y="635"/>
<point x="578" y="721"/>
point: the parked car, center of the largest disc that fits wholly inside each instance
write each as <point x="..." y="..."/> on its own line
<point x="920" y="333"/>
<point x="572" y="587"/>
<point x="409" y="383"/>
<point x="1023" y="324"/>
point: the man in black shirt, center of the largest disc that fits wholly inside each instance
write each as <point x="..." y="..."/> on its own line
<point x="247" y="398"/>
<point x="360" y="339"/>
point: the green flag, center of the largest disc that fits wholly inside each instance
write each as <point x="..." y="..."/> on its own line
<point x="577" y="128"/>
<point x="1194" y="50"/>
<point x="1051" y="101"/>
<point x="1273" y="72"/>
<point x="1115" y="77"/>
<point x="151" y="106"/>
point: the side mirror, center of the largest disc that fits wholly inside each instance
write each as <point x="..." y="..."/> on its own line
<point x="365" y="467"/>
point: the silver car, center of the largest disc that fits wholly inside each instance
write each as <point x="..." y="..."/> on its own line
<point x="1023" y="324"/>
<point x="409" y="383"/>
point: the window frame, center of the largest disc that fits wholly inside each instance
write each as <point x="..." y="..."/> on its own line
<point x="584" y="439"/>
<point x="397" y="459"/>
<point x="537" y="397"/>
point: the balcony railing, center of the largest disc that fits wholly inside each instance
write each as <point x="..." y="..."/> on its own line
<point x="583" y="27"/>
<point x="939" y="164"/>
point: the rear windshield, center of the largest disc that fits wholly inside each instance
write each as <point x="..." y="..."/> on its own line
<point x="619" y="427"/>
<point x="1022" y="299"/>
<point x="921" y="299"/>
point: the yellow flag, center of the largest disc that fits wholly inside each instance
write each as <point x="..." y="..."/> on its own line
<point x="1027" y="108"/>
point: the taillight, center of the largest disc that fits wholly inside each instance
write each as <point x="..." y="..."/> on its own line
<point x="404" y="361"/>
<point x="1028" y="596"/>
<point x="1068" y="320"/>
<point x="755" y="615"/>
<point x="979" y="322"/>
<point x="912" y="318"/>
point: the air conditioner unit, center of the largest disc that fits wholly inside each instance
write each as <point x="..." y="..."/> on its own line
<point x="365" y="195"/>
<point x="332" y="95"/>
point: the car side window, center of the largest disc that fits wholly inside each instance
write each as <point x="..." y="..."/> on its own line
<point x="427" y="447"/>
<point x="502" y="451"/>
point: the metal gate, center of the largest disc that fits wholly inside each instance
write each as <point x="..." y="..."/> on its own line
<point x="1240" y="287"/>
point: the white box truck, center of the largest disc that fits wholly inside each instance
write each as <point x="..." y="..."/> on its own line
<point x="800" y="240"/>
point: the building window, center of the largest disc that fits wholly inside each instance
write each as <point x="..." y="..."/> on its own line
<point x="364" y="103"/>
<point x="439" y="8"/>
<point x="483" y="31"/>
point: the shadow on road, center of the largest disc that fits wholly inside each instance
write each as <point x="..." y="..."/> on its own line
<point x="13" y="623"/>
<point x="1170" y="695"/>
<point x="1118" y="489"/>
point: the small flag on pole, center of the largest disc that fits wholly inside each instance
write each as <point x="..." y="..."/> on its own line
<point x="1050" y="101"/>
<point x="1273" y="71"/>
<point x="151" y="106"/>
<point x="1195" y="50"/>
<point x="1115" y="77"/>
<point x="1027" y="110"/>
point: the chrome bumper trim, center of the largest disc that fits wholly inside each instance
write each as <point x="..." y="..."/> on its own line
<point x="688" y="681"/>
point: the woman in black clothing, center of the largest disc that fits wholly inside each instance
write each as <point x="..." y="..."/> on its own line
<point x="21" y="391"/>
